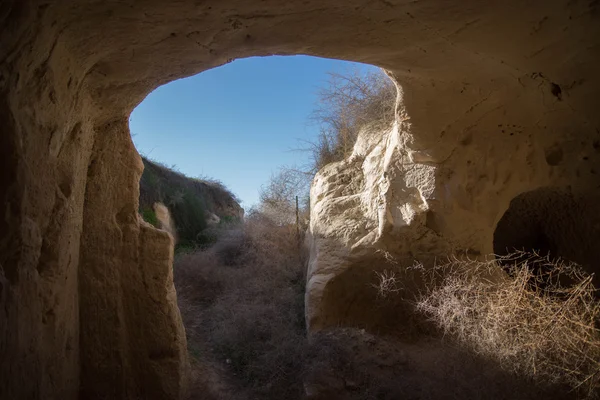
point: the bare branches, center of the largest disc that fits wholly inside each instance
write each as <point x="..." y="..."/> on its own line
<point x="349" y="102"/>
<point x="278" y="196"/>
<point x="388" y="284"/>
<point x="542" y="322"/>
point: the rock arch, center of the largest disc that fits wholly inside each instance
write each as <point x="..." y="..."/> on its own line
<point x="87" y="307"/>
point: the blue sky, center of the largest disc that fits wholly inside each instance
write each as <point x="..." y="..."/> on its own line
<point x="237" y="123"/>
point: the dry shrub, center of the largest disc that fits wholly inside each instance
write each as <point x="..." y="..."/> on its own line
<point x="278" y="198"/>
<point x="347" y="103"/>
<point x="189" y="202"/>
<point x="388" y="283"/>
<point x="540" y="321"/>
<point x="242" y="303"/>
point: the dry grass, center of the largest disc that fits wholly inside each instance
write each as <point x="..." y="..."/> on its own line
<point x="242" y="302"/>
<point x="542" y="321"/>
<point x="529" y="335"/>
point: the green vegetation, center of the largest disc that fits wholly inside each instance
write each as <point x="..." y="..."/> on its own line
<point x="149" y="216"/>
<point x="229" y="220"/>
<point x="189" y="215"/>
<point x="188" y="200"/>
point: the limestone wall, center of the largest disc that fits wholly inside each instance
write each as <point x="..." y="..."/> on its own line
<point x="498" y="98"/>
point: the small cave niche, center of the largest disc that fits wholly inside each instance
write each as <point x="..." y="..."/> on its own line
<point x="354" y="298"/>
<point x="553" y="222"/>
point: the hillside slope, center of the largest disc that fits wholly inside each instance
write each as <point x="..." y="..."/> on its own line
<point x="194" y="203"/>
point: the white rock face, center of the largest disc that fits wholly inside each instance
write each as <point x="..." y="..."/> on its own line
<point x="391" y="204"/>
<point x="361" y="205"/>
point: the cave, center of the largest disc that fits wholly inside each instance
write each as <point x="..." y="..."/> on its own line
<point x="554" y="223"/>
<point x="87" y="304"/>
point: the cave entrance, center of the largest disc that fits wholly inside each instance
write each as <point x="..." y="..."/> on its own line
<point x="283" y="108"/>
<point x="237" y="267"/>
<point x="86" y="297"/>
<point x="554" y="222"/>
<point x="299" y="113"/>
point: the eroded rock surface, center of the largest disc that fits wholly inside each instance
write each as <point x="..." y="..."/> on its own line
<point x="498" y="99"/>
<point x="492" y="187"/>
